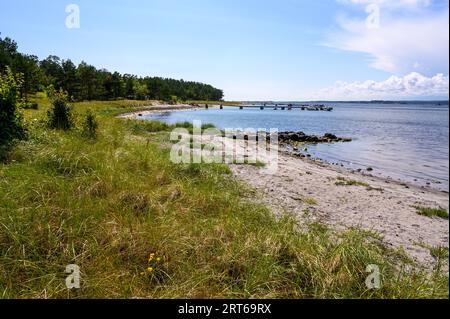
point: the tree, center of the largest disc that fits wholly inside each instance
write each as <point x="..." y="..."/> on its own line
<point x="129" y="85"/>
<point x="11" y="127"/>
<point x="89" y="81"/>
<point x="8" y="50"/>
<point x="117" y="85"/>
<point x="140" y="90"/>
<point x="28" y="66"/>
<point x="53" y="71"/>
<point x="86" y="82"/>
<point x="70" y="82"/>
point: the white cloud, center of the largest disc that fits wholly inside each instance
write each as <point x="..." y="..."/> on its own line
<point x="413" y="85"/>
<point x="410" y="37"/>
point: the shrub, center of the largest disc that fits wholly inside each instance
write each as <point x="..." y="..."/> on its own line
<point x="90" y="125"/>
<point x="11" y="126"/>
<point x="60" y="115"/>
<point x="172" y="100"/>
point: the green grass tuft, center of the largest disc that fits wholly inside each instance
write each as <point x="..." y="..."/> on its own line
<point x="432" y="212"/>
<point x="310" y="201"/>
<point x="344" y="182"/>
<point x="439" y="252"/>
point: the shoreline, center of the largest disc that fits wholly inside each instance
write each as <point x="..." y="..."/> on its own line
<point x="366" y="174"/>
<point x="155" y="108"/>
<point x="308" y="190"/>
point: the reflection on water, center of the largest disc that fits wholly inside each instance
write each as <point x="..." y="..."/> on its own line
<point x="403" y="141"/>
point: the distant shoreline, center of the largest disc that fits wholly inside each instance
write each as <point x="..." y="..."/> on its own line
<point x="156" y="108"/>
<point x="445" y="102"/>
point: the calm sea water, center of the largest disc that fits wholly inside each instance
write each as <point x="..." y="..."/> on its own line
<point x="408" y="142"/>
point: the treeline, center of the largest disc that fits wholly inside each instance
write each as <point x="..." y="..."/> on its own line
<point x="86" y="82"/>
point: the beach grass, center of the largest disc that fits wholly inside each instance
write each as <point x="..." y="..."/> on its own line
<point x="257" y="163"/>
<point x="439" y="252"/>
<point x="345" y="182"/>
<point x="432" y="212"/>
<point x="310" y="201"/>
<point x="341" y="181"/>
<point x="108" y="204"/>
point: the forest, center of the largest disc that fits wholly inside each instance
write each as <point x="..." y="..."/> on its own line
<point x="86" y="82"/>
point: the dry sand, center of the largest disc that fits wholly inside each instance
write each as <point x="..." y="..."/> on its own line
<point x="389" y="212"/>
<point x="156" y="107"/>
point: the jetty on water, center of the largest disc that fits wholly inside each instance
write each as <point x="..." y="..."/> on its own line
<point x="289" y="107"/>
<point x="283" y="107"/>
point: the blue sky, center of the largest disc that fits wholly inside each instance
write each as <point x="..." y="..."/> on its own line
<point x="271" y="50"/>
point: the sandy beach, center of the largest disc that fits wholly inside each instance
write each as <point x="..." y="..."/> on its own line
<point x="312" y="191"/>
<point x="308" y="190"/>
<point x="157" y="107"/>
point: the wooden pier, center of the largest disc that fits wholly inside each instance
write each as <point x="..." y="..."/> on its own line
<point x="276" y="107"/>
<point x="289" y="107"/>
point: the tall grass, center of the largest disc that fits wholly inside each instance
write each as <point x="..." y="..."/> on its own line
<point x="107" y="204"/>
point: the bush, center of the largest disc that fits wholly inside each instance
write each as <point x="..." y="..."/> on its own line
<point x="11" y="126"/>
<point x="60" y="115"/>
<point x="172" y="100"/>
<point x="90" y="125"/>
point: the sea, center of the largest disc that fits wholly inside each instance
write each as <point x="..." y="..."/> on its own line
<point x="406" y="141"/>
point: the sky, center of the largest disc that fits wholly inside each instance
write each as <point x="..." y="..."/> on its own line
<point x="282" y="50"/>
